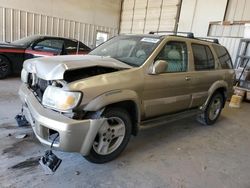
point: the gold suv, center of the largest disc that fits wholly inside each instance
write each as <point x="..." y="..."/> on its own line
<point x="93" y="103"/>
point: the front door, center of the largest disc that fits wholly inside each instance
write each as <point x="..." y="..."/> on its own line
<point x="169" y="92"/>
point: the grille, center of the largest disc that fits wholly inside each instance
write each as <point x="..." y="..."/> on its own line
<point x="38" y="85"/>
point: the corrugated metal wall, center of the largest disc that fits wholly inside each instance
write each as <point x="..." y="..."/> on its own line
<point x="16" y="24"/>
<point x="238" y="10"/>
<point x="222" y="30"/>
<point x="142" y="16"/>
<point x="231" y="44"/>
<point x="231" y="30"/>
<point x="228" y="35"/>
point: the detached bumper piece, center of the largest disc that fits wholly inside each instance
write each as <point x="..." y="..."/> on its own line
<point x="50" y="162"/>
<point x="21" y="121"/>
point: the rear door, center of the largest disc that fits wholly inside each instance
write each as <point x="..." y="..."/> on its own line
<point x="204" y="74"/>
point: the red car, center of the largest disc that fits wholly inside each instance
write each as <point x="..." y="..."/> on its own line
<point x="12" y="55"/>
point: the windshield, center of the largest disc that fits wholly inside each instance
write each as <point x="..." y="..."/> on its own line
<point x="132" y="50"/>
<point x="25" y="41"/>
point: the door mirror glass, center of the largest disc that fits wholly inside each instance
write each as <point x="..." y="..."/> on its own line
<point x="160" y="66"/>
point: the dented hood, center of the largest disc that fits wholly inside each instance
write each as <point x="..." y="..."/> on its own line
<point x="53" y="68"/>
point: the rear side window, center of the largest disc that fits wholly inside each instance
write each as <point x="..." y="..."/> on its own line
<point x="83" y="47"/>
<point x="223" y="56"/>
<point x="70" y="47"/>
<point x="203" y="57"/>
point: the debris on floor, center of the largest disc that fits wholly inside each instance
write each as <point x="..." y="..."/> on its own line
<point x="21" y="136"/>
<point x="21" y="121"/>
<point x="77" y="173"/>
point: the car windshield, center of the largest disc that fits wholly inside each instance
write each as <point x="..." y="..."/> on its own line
<point x="25" y="41"/>
<point x="132" y="50"/>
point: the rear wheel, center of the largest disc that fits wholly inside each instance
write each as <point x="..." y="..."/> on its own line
<point x="213" y="110"/>
<point x="5" y="67"/>
<point x="112" y="137"/>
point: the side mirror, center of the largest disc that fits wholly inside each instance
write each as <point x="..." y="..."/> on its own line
<point x="158" y="67"/>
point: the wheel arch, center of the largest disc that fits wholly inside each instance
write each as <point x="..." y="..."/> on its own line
<point x="125" y="99"/>
<point x="219" y="86"/>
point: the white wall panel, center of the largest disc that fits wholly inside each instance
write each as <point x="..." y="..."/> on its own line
<point x="16" y="24"/>
<point x="197" y="14"/>
<point x="142" y="16"/>
<point x="220" y="30"/>
<point x="238" y="10"/>
<point x="228" y="35"/>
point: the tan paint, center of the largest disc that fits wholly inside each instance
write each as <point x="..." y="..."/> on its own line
<point x="157" y="94"/>
<point x="154" y="95"/>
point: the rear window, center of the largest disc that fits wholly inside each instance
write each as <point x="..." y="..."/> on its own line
<point x="203" y="57"/>
<point x="223" y="56"/>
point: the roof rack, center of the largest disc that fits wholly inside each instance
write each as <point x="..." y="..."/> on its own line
<point x="189" y="34"/>
<point x="214" y="40"/>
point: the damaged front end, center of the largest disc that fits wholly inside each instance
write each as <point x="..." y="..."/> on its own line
<point x="55" y="95"/>
<point x="74" y="135"/>
<point x="52" y="108"/>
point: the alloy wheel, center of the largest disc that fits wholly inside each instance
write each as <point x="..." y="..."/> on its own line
<point x="110" y="136"/>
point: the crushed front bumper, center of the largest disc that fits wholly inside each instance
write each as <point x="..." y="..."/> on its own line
<point x="74" y="135"/>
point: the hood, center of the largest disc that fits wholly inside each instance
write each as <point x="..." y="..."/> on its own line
<point x="53" y="68"/>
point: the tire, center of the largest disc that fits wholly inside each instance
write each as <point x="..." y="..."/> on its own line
<point x="112" y="137"/>
<point x="5" y="67"/>
<point x="213" y="109"/>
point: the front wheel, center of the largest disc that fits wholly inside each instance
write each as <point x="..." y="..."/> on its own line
<point x="213" y="110"/>
<point x="112" y="137"/>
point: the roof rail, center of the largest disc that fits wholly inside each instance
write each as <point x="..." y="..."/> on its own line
<point x="189" y="34"/>
<point x="214" y="40"/>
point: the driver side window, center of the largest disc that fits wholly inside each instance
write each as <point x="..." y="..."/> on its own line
<point x="175" y="53"/>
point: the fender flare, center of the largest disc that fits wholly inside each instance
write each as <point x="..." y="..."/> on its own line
<point x="215" y="86"/>
<point x="113" y="97"/>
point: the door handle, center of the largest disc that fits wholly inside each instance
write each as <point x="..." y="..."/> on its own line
<point x="187" y="78"/>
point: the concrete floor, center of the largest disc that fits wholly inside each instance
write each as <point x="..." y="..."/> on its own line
<point x="180" y="155"/>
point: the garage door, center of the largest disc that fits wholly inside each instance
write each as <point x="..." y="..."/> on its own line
<point x="142" y="16"/>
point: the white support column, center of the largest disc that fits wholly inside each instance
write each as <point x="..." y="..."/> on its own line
<point x="26" y="24"/>
<point x="11" y="25"/>
<point x="4" y="25"/>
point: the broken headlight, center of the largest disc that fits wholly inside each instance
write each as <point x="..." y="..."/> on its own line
<point x="58" y="99"/>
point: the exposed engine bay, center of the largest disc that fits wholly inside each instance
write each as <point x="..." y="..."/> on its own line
<point x="77" y="74"/>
